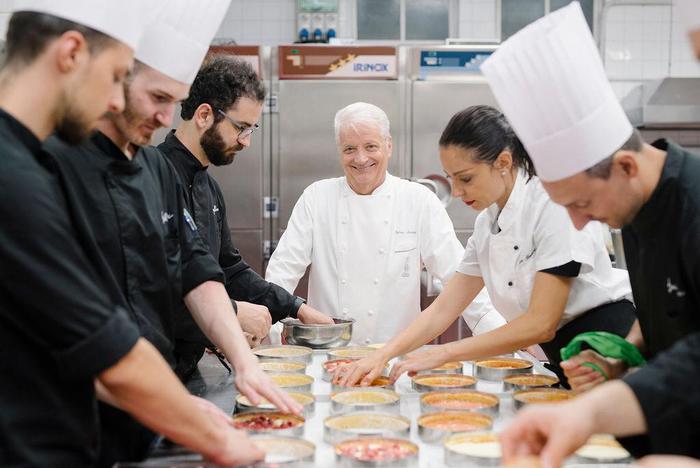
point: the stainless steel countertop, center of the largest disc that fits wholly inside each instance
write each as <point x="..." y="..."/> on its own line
<point x="215" y="384"/>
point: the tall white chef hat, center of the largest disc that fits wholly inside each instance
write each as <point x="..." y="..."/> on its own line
<point x="550" y="83"/>
<point x="177" y="42"/>
<point x="124" y="20"/>
<point x="689" y="13"/>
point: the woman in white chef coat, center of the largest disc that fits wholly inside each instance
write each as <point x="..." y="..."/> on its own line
<point x="548" y="280"/>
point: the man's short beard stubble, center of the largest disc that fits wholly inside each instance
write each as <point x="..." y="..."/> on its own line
<point x="72" y="125"/>
<point x="215" y="148"/>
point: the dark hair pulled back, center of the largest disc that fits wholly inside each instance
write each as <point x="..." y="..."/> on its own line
<point x="486" y="131"/>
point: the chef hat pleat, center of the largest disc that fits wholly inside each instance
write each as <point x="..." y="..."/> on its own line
<point x="551" y="85"/>
<point x="176" y="43"/>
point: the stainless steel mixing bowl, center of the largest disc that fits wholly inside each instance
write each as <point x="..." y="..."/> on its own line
<point x="318" y="336"/>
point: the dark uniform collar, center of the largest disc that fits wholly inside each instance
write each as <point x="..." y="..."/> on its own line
<point x="119" y="160"/>
<point x="186" y="162"/>
<point x="23" y="134"/>
<point x="647" y="217"/>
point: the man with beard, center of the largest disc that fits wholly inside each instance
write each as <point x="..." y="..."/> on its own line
<point x="593" y="162"/>
<point x="63" y="325"/>
<point x="132" y="212"/>
<point x="219" y="116"/>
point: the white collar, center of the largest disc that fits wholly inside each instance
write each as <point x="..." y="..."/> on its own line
<point x="511" y="210"/>
<point x="382" y="189"/>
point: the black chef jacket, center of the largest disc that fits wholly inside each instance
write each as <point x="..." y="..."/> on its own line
<point x="206" y="203"/>
<point x="59" y="327"/>
<point x="135" y="215"/>
<point x="662" y="249"/>
<point x="667" y="392"/>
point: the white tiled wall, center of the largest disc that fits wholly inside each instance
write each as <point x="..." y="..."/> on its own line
<point x="637" y="42"/>
<point x="260" y="22"/>
<point x="478" y="20"/>
<point x="683" y="62"/>
<point x="645" y="43"/>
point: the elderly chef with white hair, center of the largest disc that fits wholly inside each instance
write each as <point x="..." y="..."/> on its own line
<point x="367" y="236"/>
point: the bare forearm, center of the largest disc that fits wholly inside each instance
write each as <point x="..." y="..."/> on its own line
<point x="522" y="332"/>
<point x="429" y="324"/>
<point x="615" y="409"/>
<point x="635" y="336"/>
<point x="211" y="308"/>
<point x="104" y="395"/>
<point x="142" y="384"/>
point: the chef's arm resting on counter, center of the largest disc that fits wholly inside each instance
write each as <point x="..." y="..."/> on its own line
<point x="142" y="384"/>
<point x="458" y="293"/>
<point x="537" y="325"/>
<point x="555" y="432"/>
<point x="582" y="378"/>
<point x="211" y="308"/>
<point x="649" y="403"/>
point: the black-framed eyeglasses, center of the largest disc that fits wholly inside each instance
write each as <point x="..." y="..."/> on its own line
<point x="243" y="130"/>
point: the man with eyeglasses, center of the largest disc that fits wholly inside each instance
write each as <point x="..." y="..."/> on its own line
<point x="219" y="117"/>
<point x="130" y="214"/>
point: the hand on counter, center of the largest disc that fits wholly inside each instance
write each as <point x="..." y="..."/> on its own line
<point x="363" y="371"/>
<point x="254" y="319"/>
<point x="309" y="315"/>
<point x="422" y="360"/>
<point x="212" y="410"/>
<point x="252" y="382"/>
<point x="238" y="449"/>
<point x="551" y="431"/>
<point x="583" y="378"/>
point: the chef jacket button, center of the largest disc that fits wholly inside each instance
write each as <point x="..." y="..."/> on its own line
<point x="381" y="251"/>
<point x="376" y="280"/>
<point x="386" y="221"/>
<point x="343" y="281"/>
<point x="345" y="310"/>
<point x="370" y="312"/>
<point x="510" y="283"/>
<point x="344" y="221"/>
<point x="515" y="247"/>
<point x="367" y="341"/>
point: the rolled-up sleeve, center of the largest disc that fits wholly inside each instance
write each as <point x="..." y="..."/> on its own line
<point x="50" y="289"/>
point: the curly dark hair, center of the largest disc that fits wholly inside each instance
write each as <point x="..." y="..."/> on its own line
<point x="221" y="81"/>
<point x="485" y="130"/>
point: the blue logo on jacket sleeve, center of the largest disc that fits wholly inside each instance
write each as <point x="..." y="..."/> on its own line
<point x="188" y="218"/>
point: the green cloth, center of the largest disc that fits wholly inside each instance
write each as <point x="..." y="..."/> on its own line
<point x="607" y="345"/>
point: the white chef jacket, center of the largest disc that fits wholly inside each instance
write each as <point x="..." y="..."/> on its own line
<point x="366" y="253"/>
<point x="537" y="234"/>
